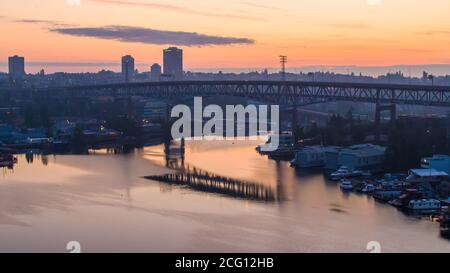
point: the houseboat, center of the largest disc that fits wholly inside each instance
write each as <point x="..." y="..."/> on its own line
<point x="386" y="195"/>
<point x="311" y="156"/>
<point x="424" y="205"/>
<point x="367" y="157"/>
<point x="406" y="197"/>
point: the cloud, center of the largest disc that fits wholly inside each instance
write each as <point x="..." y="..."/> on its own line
<point x="43" y="22"/>
<point x="34" y="21"/>
<point x="151" y="36"/>
<point x="179" y="9"/>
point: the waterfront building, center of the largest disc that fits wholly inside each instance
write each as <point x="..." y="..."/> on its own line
<point x="154" y="110"/>
<point x="312" y="156"/>
<point x="437" y="162"/>
<point x="155" y="72"/>
<point x="426" y="176"/>
<point x="173" y="63"/>
<point x="356" y="157"/>
<point x="10" y="135"/>
<point x="16" y="65"/>
<point x="127" y="68"/>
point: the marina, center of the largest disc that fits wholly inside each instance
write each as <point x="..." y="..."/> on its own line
<point x="360" y="168"/>
<point x="421" y="192"/>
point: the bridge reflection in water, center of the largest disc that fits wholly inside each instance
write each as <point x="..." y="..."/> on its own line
<point x="201" y="180"/>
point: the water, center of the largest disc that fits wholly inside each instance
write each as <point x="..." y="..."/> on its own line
<point x="103" y="202"/>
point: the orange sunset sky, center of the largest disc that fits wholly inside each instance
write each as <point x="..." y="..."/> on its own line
<point x="229" y="33"/>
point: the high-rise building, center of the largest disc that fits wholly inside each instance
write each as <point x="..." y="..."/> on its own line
<point x="16" y="66"/>
<point x="155" y="72"/>
<point x="173" y="63"/>
<point x="127" y="68"/>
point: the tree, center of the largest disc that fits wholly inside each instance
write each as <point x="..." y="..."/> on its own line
<point x="78" y="141"/>
<point x="44" y="117"/>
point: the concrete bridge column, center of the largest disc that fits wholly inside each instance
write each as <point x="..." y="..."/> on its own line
<point x="379" y="108"/>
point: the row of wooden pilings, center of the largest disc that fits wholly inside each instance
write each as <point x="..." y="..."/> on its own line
<point x="207" y="182"/>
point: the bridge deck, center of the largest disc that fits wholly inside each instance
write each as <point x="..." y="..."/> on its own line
<point x="279" y="92"/>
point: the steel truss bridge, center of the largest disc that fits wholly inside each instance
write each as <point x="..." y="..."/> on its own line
<point x="288" y="93"/>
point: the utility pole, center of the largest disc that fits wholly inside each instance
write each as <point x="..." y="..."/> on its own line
<point x="283" y="61"/>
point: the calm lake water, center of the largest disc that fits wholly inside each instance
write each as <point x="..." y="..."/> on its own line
<point x="102" y="201"/>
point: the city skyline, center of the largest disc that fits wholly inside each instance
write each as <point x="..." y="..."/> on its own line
<point x="244" y="34"/>
<point x="93" y="67"/>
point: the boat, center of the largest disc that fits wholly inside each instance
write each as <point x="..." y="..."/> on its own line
<point x="282" y="153"/>
<point x="341" y="173"/>
<point x="386" y="195"/>
<point x="344" y="172"/>
<point x="424" y="205"/>
<point x="368" y="188"/>
<point x="284" y="141"/>
<point x="392" y="185"/>
<point x="346" y="185"/>
<point x="406" y="196"/>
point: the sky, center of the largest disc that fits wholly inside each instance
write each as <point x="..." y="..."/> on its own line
<point x="229" y="34"/>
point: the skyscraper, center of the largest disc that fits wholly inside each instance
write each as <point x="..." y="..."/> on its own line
<point x="155" y="72"/>
<point x="16" y="66"/>
<point x="127" y="68"/>
<point x="173" y="63"/>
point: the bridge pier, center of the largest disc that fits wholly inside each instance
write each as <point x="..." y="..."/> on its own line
<point x="379" y="108"/>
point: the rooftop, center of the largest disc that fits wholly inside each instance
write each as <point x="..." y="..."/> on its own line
<point x="320" y="149"/>
<point x="436" y="157"/>
<point x="427" y="172"/>
<point x="364" y="150"/>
